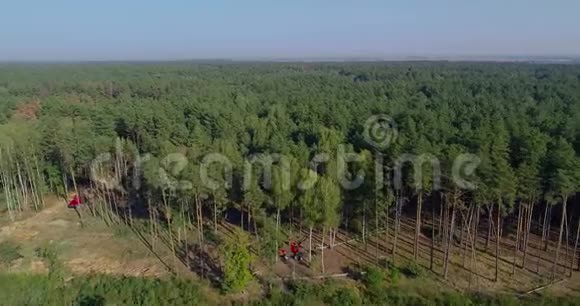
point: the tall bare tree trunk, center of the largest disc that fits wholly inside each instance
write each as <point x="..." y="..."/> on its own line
<point x="322" y="248"/>
<point x="40" y="178"/>
<point x="547" y="226"/>
<point x="376" y="229"/>
<point x="470" y="215"/>
<point x="449" y="244"/>
<point x="151" y="221"/>
<point x="199" y="212"/>
<point x="310" y="245"/>
<point x="576" y="246"/>
<point x="215" y="230"/>
<point x="364" y="225"/>
<point x="418" y="226"/>
<point x="168" y="216"/>
<point x="517" y="242"/>
<point x="489" y="225"/>
<point x="527" y="234"/>
<point x="277" y="228"/>
<point x="554" y="266"/>
<point x="397" y="225"/>
<point x="242" y="216"/>
<point x="497" y="241"/>
<point x="255" y="224"/>
<point x="567" y="246"/>
<point x="387" y="230"/>
<point x="432" y="252"/>
<point x="440" y="233"/>
<point x="462" y="243"/>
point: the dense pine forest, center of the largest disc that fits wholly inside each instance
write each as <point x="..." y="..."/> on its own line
<point x="425" y="166"/>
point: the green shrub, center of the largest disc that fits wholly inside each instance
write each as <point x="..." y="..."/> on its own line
<point x="209" y="235"/>
<point x="19" y="289"/>
<point x="412" y="269"/>
<point x="237" y="260"/>
<point x="268" y="238"/>
<point x="344" y="296"/>
<point x="9" y="252"/>
<point x="373" y="278"/>
<point x="302" y="289"/>
<point x="393" y="274"/>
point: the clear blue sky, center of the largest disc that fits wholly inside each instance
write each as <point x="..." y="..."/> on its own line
<point x="149" y="30"/>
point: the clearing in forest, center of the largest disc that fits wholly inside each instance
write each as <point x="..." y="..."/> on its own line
<point x="92" y="248"/>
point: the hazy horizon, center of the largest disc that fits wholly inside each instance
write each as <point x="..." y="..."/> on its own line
<point x="261" y="30"/>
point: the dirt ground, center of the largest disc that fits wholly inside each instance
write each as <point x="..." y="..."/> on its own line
<point x="349" y="252"/>
<point x="92" y="248"/>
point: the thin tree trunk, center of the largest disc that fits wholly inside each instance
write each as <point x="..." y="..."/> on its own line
<point x="445" y="229"/>
<point x="182" y="229"/>
<point x="72" y="173"/>
<point x="23" y="188"/>
<point x="432" y="252"/>
<point x="215" y="230"/>
<point x="473" y="240"/>
<point x="554" y="266"/>
<point x="521" y="211"/>
<point x="40" y="178"/>
<point x="449" y="244"/>
<point x="330" y="242"/>
<point x="440" y="233"/>
<point x="462" y="245"/>
<point x="322" y="249"/>
<point x="277" y="225"/>
<point x="567" y="246"/>
<point x="364" y="225"/>
<point x="151" y="224"/>
<point x="418" y="226"/>
<point x="169" y="217"/>
<point x="397" y="225"/>
<point x="387" y="230"/>
<point x="255" y="224"/>
<point x="469" y="222"/>
<point x="528" y="230"/>
<point x="201" y="235"/>
<point x="544" y="226"/>
<point x="249" y="220"/>
<point x="301" y="215"/>
<point x="547" y="228"/>
<point x="310" y="245"/>
<point x="574" y="255"/>
<point x="489" y="225"/>
<point x="477" y="216"/>
<point x="517" y="242"/>
<point x="242" y="216"/>
<point x="377" y="229"/>
<point x="32" y="182"/>
<point x="292" y="218"/>
<point x="497" y="234"/>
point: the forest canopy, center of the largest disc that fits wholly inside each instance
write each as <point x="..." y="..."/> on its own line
<point x="150" y="126"/>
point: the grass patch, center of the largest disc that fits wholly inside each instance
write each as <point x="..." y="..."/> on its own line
<point x="9" y="252"/>
<point x="19" y="289"/>
<point x="121" y="231"/>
